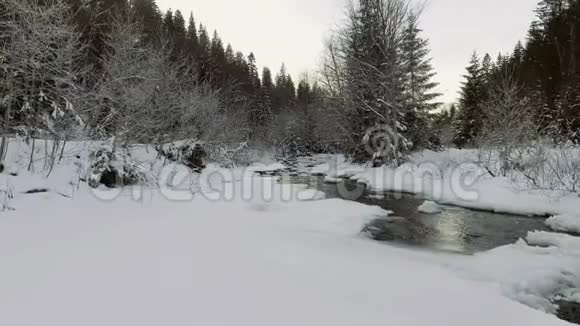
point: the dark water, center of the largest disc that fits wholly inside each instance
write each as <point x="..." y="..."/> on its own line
<point x="455" y="229"/>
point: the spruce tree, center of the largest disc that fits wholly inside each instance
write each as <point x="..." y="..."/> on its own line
<point x="218" y="61"/>
<point x="418" y="84"/>
<point x="253" y="74"/>
<point x="168" y="26"/>
<point x="266" y="92"/>
<point x="146" y="14"/>
<point x="267" y="83"/>
<point x="179" y="34"/>
<point x="290" y="89"/>
<point x="471" y="114"/>
<point x="375" y="81"/>
<point x="203" y="54"/>
<point x="101" y="17"/>
<point x="191" y="41"/>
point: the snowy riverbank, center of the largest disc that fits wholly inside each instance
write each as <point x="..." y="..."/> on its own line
<point x="452" y="178"/>
<point x="247" y="250"/>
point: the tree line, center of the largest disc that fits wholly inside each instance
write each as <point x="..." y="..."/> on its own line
<point x="123" y="70"/>
<point x="535" y="90"/>
<point x="119" y="69"/>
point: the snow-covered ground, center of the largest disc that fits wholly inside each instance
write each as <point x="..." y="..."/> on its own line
<point x="247" y="250"/>
<point x="83" y="261"/>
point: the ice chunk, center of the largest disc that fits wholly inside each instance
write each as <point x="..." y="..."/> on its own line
<point x="565" y="223"/>
<point x="430" y="207"/>
<point x="310" y="194"/>
<point x="564" y="242"/>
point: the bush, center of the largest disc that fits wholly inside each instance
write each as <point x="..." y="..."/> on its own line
<point x="115" y="169"/>
<point x="189" y="153"/>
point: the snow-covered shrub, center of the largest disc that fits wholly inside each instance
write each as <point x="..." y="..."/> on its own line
<point x="6" y="193"/>
<point x="238" y="155"/>
<point x="189" y="153"/>
<point x="115" y="169"/>
<point x="508" y="128"/>
<point x="551" y="167"/>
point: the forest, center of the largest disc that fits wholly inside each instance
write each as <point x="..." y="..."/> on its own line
<point x="125" y="71"/>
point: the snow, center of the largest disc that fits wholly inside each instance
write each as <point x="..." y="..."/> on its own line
<point x="152" y="262"/>
<point x="526" y="273"/>
<point x="564" y="242"/>
<point x="268" y="167"/>
<point x="328" y="179"/>
<point x="571" y="295"/>
<point x="311" y="194"/>
<point x="565" y="223"/>
<point x="335" y="167"/>
<point x="247" y="250"/>
<point x="430" y="207"/>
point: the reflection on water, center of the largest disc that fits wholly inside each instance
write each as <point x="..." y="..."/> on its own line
<point x="451" y="230"/>
<point x="455" y="229"/>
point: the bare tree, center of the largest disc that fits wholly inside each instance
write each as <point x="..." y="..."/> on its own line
<point x="39" y="49"/>
<point x="509" y="128"/>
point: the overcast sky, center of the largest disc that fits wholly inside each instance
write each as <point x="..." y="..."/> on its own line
<point x="293" y="31"/>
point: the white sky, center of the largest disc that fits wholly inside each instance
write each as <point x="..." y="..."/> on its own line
<point x="293" y="31"/>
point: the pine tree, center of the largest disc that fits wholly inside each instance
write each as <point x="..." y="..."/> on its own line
<point x="240" y="69"/>
<point x="179" y="34"/>
<point x="306" y="119"/>
<point x="266" y="92"/>
<point x="230" y="68"/>
<point x="471" y="116"/>
<point x="218" y="61"/>
<point x="290" y="89"/>
<point x="229" y="54"/>
<point x="419" y="86"/>
<point x="418" y="70"/>
<point x="267" y="83"/>
<point x="518" y="54"/>
<point x="203" y="54"/>
<point x="253" y="74"/>
<point x="487" y="67"/>
<point x="101" y="17"/>
<point x="281" y="94"/>
<point x="146" y="14"/>
<point x="191" y="41"/>
<point x="168" y="26"/>
<point x="374" y="79"/>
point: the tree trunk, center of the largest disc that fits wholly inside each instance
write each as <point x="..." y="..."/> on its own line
<point x="6" y="136"/>
<point x="31" y="155"/>
<point x="3" y="147"/>
<point x="62" y="151"/>
<point x="45" y="164"/>
<point x="55" y="145"/>
<point x="114" y="149"/>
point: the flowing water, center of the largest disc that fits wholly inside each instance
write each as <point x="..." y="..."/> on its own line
<point x="454" y="229"/>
